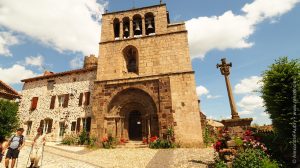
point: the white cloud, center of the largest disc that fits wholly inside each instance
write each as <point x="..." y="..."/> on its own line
<point x="76" y="62"/>
<point x="35" y="61"/>
<point x="201" y="90"/>
<point x="213" y="97"/>
<point x="68" y="25"/>
<point x="7" y="40"/>
<point x="248" y="85"/>
<point x="251" y="102"/>
<point x="245" y="112"/>
<point x="15" y="74"/>
<point x="230" y="30"/>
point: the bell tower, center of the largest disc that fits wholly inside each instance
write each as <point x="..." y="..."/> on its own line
<point x="145" y="60"/>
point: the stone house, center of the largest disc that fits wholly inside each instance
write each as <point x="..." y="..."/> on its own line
<point x="59" y="102"/>
<point x="143" y="85"/>
<point x="8" y="93"/>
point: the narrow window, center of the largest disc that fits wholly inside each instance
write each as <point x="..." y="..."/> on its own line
<point x="80" y="99"/>
<point x="87" y="98"/>
<point x="50" y="85"/>
<point x="117" y="29"/>
<point x="52" y="103"/>
<point x="131" y="56"/>
<point x="73" y="126"/>
<point x="61" y="129"/>
<point x="61" y="100"/>
<point x="88" y="124"/>
<point x="48" y="125"/>
<point x="34" y="102"/>
<point x="78" y="125"/>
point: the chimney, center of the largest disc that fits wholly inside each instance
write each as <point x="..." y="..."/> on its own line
<point x="47" y="73"/>
<point x="90" y="61"/>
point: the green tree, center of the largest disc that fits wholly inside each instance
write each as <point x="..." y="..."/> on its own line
<point x="8" y="117"/>
<point x="281" y="92"/>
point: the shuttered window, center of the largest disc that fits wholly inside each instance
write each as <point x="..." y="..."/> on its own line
<point x="49" y="124"/>
<point x="34" y="102"/>
<point x="52" y="103"/>
<point x="87" y="98"/>
<point x="66" y="100"/>
<point x="80" y="99"/>
<point x="88" y="124"/>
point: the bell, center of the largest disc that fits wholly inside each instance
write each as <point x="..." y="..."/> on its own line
<point x="150" y="27"/>
<point x="137" y="28"/>
<point x="126" y="29"/>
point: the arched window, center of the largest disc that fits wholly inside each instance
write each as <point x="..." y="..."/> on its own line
<point x="126" y="27"/>
<point x="117" y="28"/>
<point x="149" y="23"/>
<point x="137" y="25"/>
<point x="131" y="59"/>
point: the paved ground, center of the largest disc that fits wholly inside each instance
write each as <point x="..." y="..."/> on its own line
<point x="122" y="158"/>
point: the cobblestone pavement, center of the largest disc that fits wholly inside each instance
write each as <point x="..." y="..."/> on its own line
<point x="123" y="158"/>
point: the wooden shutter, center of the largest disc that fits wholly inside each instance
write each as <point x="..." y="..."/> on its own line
<point x="49" y="126"/>
<point x="80" y="99"/>
<point x="52" y="104"/>
<point x="66" y="101"/>
<point x="34" y="102"/>
<point x="78" y="125"/>
<point x="87" y="98"/>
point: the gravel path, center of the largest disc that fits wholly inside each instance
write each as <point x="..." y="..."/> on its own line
<point x="123" y="158"/>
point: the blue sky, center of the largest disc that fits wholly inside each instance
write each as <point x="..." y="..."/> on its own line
<point x="55" y="35"/>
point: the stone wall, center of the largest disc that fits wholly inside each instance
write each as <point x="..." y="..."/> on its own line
<point x="72" y="84"/>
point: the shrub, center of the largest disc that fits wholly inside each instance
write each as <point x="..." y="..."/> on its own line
<point x="83" y="138"/>
<point x="8" y="117"/>
<point x="108" y="142"/>
<point x="158" y="143"/>
<point x="250" y="158"/>
<point x="71" y="139"/>
<point x="208" y="137"/>
<point x="220" y="164"/>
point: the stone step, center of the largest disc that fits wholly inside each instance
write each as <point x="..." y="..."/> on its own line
<point x="133" y="144"/>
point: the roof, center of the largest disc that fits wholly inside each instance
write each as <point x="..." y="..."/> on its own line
<point x="214" y="123"/>
<point x="59" y="74"/>
<point x="108" y="13"/>
<point x="13" y="93"/>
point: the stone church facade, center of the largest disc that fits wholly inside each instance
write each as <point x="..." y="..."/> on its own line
<point x="142" y="84"/>
<point x="145" y="83"/>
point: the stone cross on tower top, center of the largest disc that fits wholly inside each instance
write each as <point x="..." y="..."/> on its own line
<point x="225" y="70"/>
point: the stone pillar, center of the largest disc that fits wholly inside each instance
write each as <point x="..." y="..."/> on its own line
<point x="234" y="113"/>
<point x="149" y="128"/>
<point x="143" y="26"/>
<point x="131" y="28"/>
<point x="121" y="30"/>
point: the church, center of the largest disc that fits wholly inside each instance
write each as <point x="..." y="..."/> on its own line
<point x="141" y="84"/>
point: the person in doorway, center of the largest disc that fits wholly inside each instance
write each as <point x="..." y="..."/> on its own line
<point x="15" y="144"/>
<point x="37" y="148"/>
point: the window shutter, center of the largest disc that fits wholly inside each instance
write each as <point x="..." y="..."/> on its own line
<point x="49" y="126"/>
<point x="87" y="98"/>
<point x="66" y="101"/>
<point x="78" y="125"/>
<point x="52" y="104"/>
<point x="80" y="99"/>
<point x="34" y="102"/>
<point x="42" y="124"/>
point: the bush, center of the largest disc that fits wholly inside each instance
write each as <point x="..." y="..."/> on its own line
<point x="220" y="164"/>
<point x="250" y="158"/>
<point x="157" y="143"/>
<point x="71" y="139"/>
<point x="83" y="138"/>
<point x="108" y="142"/>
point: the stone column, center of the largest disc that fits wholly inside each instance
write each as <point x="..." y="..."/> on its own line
<point x="143" y="26"/>
<point x="121" y="30"/>
<point x="131" y="28"/>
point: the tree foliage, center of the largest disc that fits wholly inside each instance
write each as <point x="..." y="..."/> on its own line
<point x="8" y="117"/>
<point x="280" y="92"/>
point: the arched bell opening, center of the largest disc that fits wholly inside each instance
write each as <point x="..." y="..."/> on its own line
<point x="116" y="28"/>
<point x="137" y="25"/>
<point x="126" y="27"/>
<point x="149" y="23"/>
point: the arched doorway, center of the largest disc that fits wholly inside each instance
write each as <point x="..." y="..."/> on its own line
<point x="135" y="125"/>
<point x="132" y="114"/>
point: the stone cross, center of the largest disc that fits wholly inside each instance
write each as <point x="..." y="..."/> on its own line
<point x="225" y="70"/>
